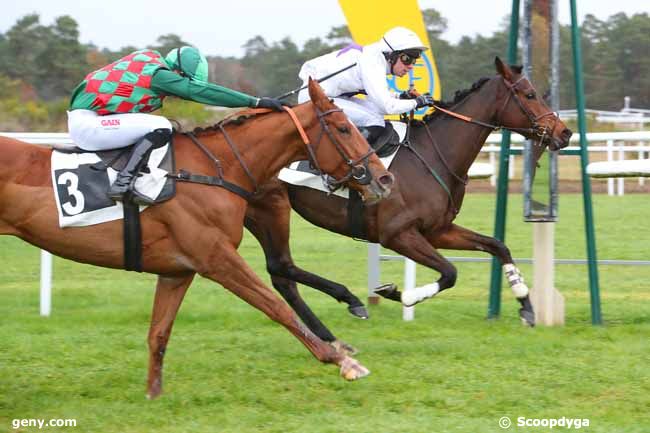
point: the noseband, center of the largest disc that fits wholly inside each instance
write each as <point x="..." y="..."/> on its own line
<point x="358" y="168"/>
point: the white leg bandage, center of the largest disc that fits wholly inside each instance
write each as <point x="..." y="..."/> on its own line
<point x="516" y="280"/>
<point x="413" y="296"/>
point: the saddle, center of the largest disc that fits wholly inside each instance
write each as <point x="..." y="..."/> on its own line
<point x="117" y="159"/>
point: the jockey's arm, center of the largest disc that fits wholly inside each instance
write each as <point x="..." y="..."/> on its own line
<point x="171" y="83"/>
<point x="373" y="72"/>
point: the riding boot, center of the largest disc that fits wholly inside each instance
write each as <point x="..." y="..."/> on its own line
<point x="127" y="177"/>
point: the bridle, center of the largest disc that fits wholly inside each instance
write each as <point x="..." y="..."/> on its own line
<point x="536" y="129"/>
<point x="540" y="131"/>
<point x="358" y="168"/>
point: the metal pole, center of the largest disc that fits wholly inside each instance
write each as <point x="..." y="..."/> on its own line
<point x="584" y="159"/>
<point x="494" y="307"/>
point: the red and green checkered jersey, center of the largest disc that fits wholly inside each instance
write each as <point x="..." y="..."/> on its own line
<point x="124" y="86"/>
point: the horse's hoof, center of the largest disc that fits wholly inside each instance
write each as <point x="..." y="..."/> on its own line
<point x="526" y="312"/>
<point x="154" y="390"/>
<point x="389" y="291"/>
<point x="359" y="311"/>
<point x="344" y="348"/>
<point x="352" y="370"/>
<point x="527" y="317"/>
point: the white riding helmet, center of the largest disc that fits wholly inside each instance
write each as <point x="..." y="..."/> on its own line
<point x="401" y="39"/>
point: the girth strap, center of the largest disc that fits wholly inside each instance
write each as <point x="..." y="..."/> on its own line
<point x="185" y="176"/>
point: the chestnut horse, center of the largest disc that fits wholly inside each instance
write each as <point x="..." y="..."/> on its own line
<point x="199" y="230"/>
<point x="417" y="218"/>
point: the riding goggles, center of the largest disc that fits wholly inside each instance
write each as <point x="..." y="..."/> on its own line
<point x="407" y="59"/>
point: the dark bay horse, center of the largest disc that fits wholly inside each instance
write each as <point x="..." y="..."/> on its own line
<point x="417" y="218"/>
<point x="199" y="230"/>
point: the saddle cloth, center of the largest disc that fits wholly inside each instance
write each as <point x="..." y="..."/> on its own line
<point x="299" y="173"/>
<point x="80" y="187"/>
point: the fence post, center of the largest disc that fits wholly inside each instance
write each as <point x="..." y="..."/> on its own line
<point x="46" y="283"/>
<point x="610" y="158"/>
<point x="373" y="272"/>
<point x="408" y="313"/>
<point x="621" y="157"/>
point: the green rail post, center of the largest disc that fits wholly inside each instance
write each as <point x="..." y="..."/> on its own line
<point x="494" y="307"/>
<point x="594" y="290"/>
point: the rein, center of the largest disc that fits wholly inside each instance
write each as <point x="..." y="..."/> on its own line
<point x="358" y="168"/>
<point x="535" y="129"/>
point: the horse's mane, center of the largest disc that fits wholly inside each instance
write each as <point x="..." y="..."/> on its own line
<point x="459" y="96"/>
<point x="237" y="118"/>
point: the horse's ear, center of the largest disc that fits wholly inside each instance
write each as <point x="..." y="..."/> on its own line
<point x="317" y="95"/>
<point x="503" y="69"/>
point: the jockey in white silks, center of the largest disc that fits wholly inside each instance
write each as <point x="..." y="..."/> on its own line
<point x="395" y="53"/>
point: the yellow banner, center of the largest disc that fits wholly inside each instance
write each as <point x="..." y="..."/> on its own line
<point x="368" y="20"/>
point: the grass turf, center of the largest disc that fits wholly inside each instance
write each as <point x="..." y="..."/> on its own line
<point x="230" y="369"/>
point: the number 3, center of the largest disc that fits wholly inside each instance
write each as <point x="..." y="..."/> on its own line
<point x="72" y="181"/>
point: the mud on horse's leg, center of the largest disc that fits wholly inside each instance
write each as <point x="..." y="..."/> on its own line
<point x="231" y="271"/>
<point x="169" y="295"/>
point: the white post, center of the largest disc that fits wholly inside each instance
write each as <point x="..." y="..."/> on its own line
<point x="641" y="179"/>
<point x="511" y="167"/>
<point x="610" y="158"/>
<point x="621" y="157"/>
<point x="373" y="272"/>
<point x="46" y="283"/>
<point x="493" y="178"/>
<point x="408" y="313"/>
<point x="548" y="303"/>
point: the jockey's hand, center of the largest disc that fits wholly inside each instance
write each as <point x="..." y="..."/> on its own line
<point x="409" y="94"/>
<point x="425" y="100"/>
<point x="272" y="103"/>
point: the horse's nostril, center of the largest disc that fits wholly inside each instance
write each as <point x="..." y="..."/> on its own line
<point x="387" y="179"/>
<point x="567" y="133"/>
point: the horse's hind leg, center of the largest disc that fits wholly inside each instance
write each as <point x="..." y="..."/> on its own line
<point x="460" y="238"/>
<point x="231" y="271"/>
<point x="169" y="295"/>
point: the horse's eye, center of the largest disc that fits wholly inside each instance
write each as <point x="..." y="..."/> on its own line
<point x="343" y="129"/>
<point x="530" y="95"/>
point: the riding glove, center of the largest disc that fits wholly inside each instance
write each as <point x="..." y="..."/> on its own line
<point x="409" y="94"/>
<point x="272" y="103"/>
<point x="425" y="100"/>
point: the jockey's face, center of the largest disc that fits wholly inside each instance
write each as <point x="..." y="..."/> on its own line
<point x="400" y="68"/>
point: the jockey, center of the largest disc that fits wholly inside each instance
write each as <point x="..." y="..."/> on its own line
<point x="110" y="108"/>
<point x="395" y="53"/>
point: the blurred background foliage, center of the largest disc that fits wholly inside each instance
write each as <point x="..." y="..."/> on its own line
<point x="41" y="64"/>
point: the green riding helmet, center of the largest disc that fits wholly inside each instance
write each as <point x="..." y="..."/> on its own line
<point x="191" y="63"/>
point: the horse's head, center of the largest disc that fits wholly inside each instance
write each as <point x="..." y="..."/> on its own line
<point x="342" y="152"/>
<point x="523" y="111"/>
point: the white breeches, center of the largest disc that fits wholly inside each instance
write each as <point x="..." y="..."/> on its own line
<point x="361" y="112"/>
<point x="90" y="131"/>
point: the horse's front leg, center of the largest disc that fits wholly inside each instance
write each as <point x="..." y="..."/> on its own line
<point x="169" y="295"/>
<point x="412" y="244"/>
<point x="268" y="219"/>
<point x="459" y="238"/>
<point x="228" y="268"/>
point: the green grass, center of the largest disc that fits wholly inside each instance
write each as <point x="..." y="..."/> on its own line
<point x="229" y="369"/>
